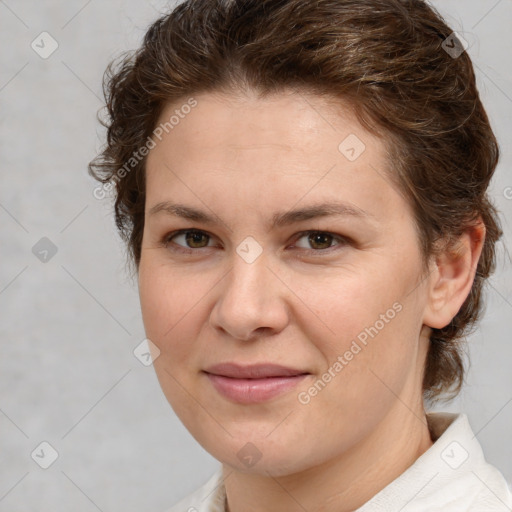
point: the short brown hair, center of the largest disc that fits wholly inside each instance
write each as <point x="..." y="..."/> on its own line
<point x="386" y="57"/>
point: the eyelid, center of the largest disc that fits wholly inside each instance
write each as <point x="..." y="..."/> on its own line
<point x="343" y="240"/>
<point x="167" y="238"/>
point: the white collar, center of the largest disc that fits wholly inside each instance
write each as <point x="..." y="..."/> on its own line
<point x="451" y="476"/>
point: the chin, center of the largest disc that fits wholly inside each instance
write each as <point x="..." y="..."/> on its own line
<point x="249" y="453"/>
<point x="275" y="464"/>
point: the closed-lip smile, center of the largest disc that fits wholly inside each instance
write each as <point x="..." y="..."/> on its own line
<point x="253" y="383"/>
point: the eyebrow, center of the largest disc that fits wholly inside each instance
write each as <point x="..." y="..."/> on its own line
<point x="280" y="219"/>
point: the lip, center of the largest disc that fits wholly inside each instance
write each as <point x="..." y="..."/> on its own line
<point x="253" y="383"/>
<point x="253" y="371"/>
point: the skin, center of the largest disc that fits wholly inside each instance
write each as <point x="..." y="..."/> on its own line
<point x="242" y="159"/>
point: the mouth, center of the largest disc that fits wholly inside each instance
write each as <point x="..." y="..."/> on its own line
<point x="253" y="383"/>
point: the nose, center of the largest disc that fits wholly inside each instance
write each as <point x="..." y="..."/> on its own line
<point x="251" y="301"/>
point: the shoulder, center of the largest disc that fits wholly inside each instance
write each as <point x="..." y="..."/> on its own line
<point x="451" y="476"/>
<point x="492" y="493"/>
<point x="209" y="497"/>
<point x="464" y="477"/>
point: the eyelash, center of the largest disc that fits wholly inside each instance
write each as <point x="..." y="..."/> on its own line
<point x="317" y="252"/>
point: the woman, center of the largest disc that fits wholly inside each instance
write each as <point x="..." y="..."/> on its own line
<point x="302" y="188"/>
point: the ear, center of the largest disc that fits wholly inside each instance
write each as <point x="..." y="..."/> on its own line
<point x="452" y="276"/>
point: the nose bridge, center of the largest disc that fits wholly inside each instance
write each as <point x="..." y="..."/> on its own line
<point x="251" y="296"/>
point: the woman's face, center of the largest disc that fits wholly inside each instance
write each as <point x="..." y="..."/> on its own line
<point x="249" y="282"/>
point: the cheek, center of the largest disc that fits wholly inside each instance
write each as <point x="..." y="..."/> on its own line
<point x="153" y="295"/>
<point x="350" y="304"/>
<point x="175" y="312"/>
<point x="374" y="323"/>
<point x="167" y="303"/>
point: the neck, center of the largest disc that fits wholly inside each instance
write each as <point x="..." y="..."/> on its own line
<point x="340" y="484"/>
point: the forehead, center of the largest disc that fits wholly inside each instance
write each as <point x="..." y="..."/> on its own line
<point x="276" y="149"/>
<point x="295" y="127"/>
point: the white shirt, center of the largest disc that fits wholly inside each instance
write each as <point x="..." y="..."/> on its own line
<point x="451" y="476"/>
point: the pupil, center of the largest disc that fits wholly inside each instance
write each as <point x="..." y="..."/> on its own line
<point x="194" y="237"/>
<point x="317" y="237"/>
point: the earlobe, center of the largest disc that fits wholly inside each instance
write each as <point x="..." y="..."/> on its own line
<point x="453" y="272"/>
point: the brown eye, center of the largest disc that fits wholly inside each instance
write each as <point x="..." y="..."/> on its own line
<point x="320" y="240"/>
<point x="193" y="239"/>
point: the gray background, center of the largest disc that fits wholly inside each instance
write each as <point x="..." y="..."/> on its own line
<point x="69" y="326"/>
